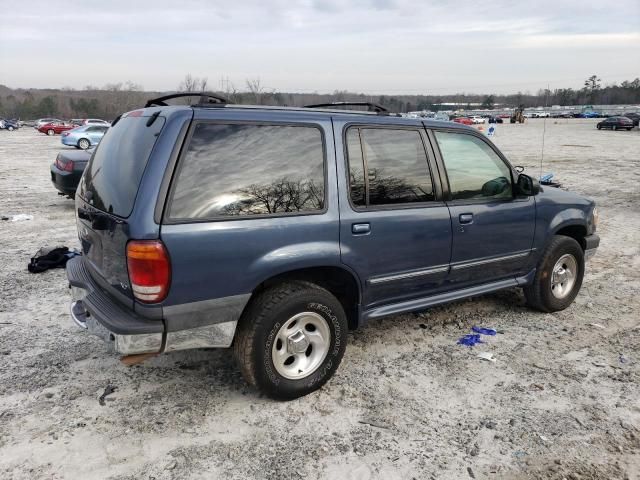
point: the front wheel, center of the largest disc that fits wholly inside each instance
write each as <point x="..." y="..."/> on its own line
<point x="599" y="127"/>
<point x="291" y="339"/>
<point x="51" y="131"/>
<point x="83" y="143"/>
<point x="10" y="128"/>
<point x="558" y="276"/>
<point x="615" y="128"/>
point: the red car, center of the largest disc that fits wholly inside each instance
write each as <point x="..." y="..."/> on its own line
<point x="55" y="127"/>
<point x="463" y="120"/>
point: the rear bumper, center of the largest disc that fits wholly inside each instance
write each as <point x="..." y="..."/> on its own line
<point x="591" y="245"/>
<point x="65" y="182"/>
<point x="209" y="324"/>
<point x="92" y="309"/>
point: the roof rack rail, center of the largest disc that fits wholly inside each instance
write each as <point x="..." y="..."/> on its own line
<point x="372" y="107"/>
<point x="205" y="98"/>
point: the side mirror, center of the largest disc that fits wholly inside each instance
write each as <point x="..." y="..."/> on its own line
<point x="527" y="185"/>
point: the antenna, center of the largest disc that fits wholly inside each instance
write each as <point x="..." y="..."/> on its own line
<point x="544" y="127"/>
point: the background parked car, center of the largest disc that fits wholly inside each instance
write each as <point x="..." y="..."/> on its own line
<point x="84" y="136"/>
<point x="495" y="120"/>
<point x="477" y="120"/>
<point x="463" y="120"/>
<point x="55" y="127"/>
<point x="67" y="170"/>
<point x="634" y="117"/>
<point x="9" y="125"/>
<point x="43" y="121"/>
<point x="95" y="121"/>
<point x="616" y="123"/>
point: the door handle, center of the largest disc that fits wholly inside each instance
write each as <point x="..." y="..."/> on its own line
<point x="360" y="228"/>
<point x="466" y="218"/>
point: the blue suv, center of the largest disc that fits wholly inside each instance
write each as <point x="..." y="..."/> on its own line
<point x="274" y="230"/>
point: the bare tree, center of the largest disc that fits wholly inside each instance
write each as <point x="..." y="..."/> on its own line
<point x="256" y="90"/>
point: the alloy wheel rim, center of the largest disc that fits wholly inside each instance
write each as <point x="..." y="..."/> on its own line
<point x="563" y="276"/>
<point x="301" y="345"/>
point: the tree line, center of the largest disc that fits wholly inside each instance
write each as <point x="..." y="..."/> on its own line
<point x="110" y="100"/>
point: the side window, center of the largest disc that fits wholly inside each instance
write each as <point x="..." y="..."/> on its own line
<point x="232" y="170"/>
<point x="356" y="168"/>
<point x="390" y="168"/>
<point x="473" y="168"/>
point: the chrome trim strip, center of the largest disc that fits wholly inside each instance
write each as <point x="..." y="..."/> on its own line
<point x="135" y="344"/>
<point x="477" y="263"/>
<point x="203" y="313"/>
<point x="219" y="335"/>
<point x="403" y="276"/>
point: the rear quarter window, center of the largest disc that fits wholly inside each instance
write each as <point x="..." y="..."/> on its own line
<point x="248" y="170"/>
<point x="111" y="179"/>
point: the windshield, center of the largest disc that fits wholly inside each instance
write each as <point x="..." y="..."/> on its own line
<point x="111" y="179"/>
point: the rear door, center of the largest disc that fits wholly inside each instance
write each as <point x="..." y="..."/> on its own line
<point x="395" y="230"/>
<point x="493" y="228"/>
<point x="250" y="199"/>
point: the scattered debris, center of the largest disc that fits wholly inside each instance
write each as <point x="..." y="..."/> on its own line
<point x="46" y="258"/>
<point x="484" y="331"/>
<point x="373" y="423"/>
<point x="622" y="358"/>
<point x="487" y="356"/>
<point x="21" y="217"/>
<point x="597" y="325"/>
<point x="470" y="340"/>
<point x="470" y="472"/>
<point x="108" y="390"/>
<point x="423" y="326"/>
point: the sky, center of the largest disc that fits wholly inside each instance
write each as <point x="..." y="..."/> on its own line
<point x="370" y="46"/>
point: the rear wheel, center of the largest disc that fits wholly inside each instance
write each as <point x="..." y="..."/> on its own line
<point x="558" y="276"/>
<point x="51" y="131"/>
<point x="615" y="127"/>
<point x="10" y="128"/>
<point x="291" y="339"/>
<point x="83" y="143"/>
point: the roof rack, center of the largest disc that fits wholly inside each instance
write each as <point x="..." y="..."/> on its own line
<point x="372" y="107"/>
<point x="205" y="98"/>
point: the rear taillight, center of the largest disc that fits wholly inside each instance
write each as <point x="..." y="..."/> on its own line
<point x="67" y="166"/>
<point x="149" y="270"/>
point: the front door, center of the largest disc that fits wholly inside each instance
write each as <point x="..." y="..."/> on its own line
<point x="493" y="227"/>
<point x="395" y="229"/>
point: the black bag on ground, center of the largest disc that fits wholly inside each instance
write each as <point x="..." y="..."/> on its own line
<point x="54" y="258"/>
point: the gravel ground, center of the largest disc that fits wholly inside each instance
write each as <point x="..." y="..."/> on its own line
<point x="561" y="401"/>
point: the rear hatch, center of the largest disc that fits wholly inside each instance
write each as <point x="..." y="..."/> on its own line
<point x="106" y="196"/>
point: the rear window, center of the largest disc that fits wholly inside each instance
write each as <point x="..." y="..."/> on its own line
<point x="110" y="181"/>
<point x="242" y="170"/>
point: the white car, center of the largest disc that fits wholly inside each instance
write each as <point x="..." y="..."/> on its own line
<point x="95" y="121"/>
<point x="477" y="120"/>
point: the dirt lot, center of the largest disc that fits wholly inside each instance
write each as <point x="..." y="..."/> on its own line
<point x="561" y="401"/>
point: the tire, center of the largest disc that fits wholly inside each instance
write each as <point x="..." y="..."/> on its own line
<point x="83" y="144"/>
<point x="615" y="127"/>
<point x="629" y="129"/>
<point x="263" y="325"/>
<point x="599" y="127"/>
<point x="51" y="131"/>
<point x="557" y="257"/>
<point x="10" y="128"/>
